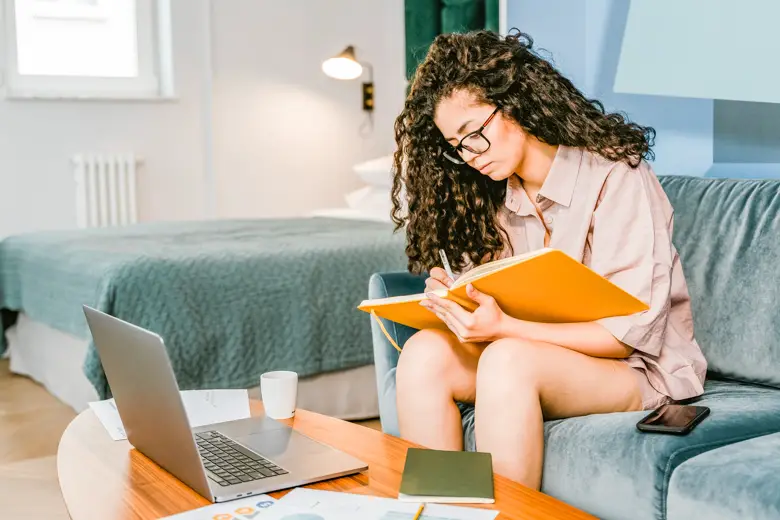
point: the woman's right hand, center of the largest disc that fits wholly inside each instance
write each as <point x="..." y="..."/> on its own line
<point x="438" y="280"/>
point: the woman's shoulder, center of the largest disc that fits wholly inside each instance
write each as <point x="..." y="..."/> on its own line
<point x="598" y="163"/>
<point x="621" y="179"/>
<point x="620" y="176"/>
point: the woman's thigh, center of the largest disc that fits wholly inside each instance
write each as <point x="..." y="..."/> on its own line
<point x="568" y="383"/>
<point x="437" y="358"/>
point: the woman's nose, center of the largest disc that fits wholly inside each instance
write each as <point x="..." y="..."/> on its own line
<point x="468" y="156"/>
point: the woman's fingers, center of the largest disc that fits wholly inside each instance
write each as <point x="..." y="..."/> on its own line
<point x="451" y="308"/>
<point x="437" y="273"/>
<point x="452" y="324"/>
<point x="446" y="313"/>
<point x="432" y="284"/>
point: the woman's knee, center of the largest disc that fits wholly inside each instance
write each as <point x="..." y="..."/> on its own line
<point x="511" y="363"/>
<point x="425" y="356"/>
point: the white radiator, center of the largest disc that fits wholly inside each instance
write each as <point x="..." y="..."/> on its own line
<point x="105" y="190"/>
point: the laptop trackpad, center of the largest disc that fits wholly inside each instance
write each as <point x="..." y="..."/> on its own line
<point x="276" y="443"/>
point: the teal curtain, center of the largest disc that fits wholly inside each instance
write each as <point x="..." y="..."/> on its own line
<point x="425" y="19"/>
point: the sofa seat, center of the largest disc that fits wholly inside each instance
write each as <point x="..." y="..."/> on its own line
<point x="737" y="481"/>
<point x="604" y="465"/>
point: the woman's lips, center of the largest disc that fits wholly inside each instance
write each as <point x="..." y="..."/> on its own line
<point x="482" y="169"/>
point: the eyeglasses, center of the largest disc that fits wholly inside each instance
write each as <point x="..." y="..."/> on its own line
<point x="475" y="142"/>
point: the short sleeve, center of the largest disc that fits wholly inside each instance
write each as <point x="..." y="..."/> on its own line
<point x="632" y="247"/>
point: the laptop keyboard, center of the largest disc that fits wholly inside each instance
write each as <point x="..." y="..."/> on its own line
<point x="230" y="463"/>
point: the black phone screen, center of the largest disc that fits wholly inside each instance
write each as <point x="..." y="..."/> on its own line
<point x="675" y="416"/>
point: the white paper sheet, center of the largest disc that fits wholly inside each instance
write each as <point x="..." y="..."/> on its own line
<point x="310" y="504"/>
<point x="203" y="407"/>
<point x="241" y="509"/>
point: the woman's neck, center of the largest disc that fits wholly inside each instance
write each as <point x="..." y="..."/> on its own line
<point x="536" y="164"/>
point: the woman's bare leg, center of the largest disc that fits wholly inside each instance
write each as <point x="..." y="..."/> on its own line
<point x="434" y="371"/>
<point x="521" y="383"/>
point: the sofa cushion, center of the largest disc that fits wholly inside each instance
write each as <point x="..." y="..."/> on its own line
<point x="737" y="481"/>
<point x="726" y="232"/>
<point x="604" y="465"/>
<point x="383" y="285"/>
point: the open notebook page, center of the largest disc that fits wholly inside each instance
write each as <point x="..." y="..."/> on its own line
<point x="495" y="265"/>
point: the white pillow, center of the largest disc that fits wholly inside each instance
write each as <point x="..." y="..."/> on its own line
<point x="374" y="203"/>
<point x="376" y="172"/>
<point x="371" y="201"/>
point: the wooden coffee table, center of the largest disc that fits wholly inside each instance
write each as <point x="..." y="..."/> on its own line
<point x="101" y="478"/>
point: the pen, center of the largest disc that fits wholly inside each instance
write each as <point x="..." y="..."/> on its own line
<point x="446" y="264"/>
<point x="419" y="512"/>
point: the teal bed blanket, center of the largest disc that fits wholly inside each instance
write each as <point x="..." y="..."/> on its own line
<point x="231" y="298"/>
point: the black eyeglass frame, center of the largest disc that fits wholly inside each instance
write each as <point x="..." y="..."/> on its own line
<point x="461" y="146"/>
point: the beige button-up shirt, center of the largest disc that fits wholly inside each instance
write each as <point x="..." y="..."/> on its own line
<point x="618" y="221"/>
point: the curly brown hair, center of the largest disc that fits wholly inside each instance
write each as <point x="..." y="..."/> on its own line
<point x="453" y="207"/>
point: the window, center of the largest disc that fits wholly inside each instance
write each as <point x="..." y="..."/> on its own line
<point x="87" y="48"/>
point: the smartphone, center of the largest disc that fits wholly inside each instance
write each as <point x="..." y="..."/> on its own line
<point x="678" y="419"/>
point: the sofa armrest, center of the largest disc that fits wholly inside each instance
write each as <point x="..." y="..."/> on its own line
<point x="382" y="285"/>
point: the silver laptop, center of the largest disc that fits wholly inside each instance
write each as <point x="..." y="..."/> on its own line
<point x="221" y="462"/>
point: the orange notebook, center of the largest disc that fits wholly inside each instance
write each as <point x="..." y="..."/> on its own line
<point x="545" y="285"/>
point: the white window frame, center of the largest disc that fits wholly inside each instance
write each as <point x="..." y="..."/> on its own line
<point x="155" y="64"/>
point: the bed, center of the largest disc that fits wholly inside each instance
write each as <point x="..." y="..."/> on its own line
<point x="231" y="298"/>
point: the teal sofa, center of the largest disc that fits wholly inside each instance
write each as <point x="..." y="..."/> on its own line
<point x="728" y="235"/>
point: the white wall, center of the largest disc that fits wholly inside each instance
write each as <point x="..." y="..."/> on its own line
<point x="284" y="135"/>
<point x="38" y="138"/>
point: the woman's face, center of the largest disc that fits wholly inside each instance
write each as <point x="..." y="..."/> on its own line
<point x="460" y="114"/>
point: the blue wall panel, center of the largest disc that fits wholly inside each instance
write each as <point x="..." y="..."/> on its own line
<point x="585" y="40"/>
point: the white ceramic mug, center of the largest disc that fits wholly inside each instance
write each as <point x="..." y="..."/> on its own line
<point x="279" y="392"/>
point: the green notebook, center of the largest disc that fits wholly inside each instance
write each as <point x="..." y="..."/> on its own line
<point x="447" y="476"/>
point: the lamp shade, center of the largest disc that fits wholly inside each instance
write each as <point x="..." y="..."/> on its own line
<point x="343" y="65"/>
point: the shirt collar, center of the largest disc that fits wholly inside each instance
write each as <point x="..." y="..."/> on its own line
<point x="558" y="186"/>
<point x="517" y="199"/>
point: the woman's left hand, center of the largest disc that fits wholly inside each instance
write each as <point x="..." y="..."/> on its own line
<point x="482" y="325"/>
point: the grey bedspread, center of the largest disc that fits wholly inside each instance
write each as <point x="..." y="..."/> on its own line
<point x="232" y="299"/>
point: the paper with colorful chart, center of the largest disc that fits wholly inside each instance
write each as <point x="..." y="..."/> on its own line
<point x="310" y="504"/>
<point x="250" y="508"/>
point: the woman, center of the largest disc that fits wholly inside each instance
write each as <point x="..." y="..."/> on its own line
<point x="498" y="154"/>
